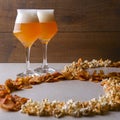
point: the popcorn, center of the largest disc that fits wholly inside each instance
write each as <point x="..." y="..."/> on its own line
<point x="77" y="70"/>
<point x="104" y="103"/>
<point x="87" y="64"/>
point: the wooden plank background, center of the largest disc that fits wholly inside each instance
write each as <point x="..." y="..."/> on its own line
<point x="87" y="28"/>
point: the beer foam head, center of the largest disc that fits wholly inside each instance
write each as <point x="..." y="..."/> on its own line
<point x="45" y="15"/>
<point x="26" y="16"/>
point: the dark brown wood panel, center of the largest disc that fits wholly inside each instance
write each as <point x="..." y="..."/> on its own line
<point x="7" y="45"/>
<point x="87" y="28"/>
<point x="71" y="15"/>
<point x="65" y="47"/>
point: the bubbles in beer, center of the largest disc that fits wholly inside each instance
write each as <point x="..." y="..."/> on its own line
<point x="45" y="15"/>
<point x="26" y="16"/>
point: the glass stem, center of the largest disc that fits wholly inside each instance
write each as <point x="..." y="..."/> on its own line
<point x="28" y="58"/>
<point x="45" y="64"/>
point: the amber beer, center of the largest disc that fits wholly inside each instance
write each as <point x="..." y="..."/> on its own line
<point x="27" y="33"/>
<point x="48" y="25"/>
<point x="27" y="27"/>
<point x="48" y="30"/>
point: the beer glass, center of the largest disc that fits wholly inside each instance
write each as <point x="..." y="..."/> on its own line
<point x="27" y="30"/>
<point x="48" y="30"/>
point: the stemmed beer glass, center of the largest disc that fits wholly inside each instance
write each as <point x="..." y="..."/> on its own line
<point x="27" y="30"/>
<point x="48" y="28"/>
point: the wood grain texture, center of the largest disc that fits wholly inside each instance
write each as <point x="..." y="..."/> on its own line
<point x="87" y="28"/>
<point x="66" y="47"/>
<point x="71" y="15"/>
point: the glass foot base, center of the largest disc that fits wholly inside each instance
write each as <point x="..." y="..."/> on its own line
<point x="41" y="70"/>
<point x="28" y="73"/>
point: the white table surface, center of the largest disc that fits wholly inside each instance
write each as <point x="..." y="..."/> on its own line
<point x="63" y="90"/>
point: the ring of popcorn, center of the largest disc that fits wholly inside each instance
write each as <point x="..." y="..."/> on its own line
<point x="105" y="103"/>
<point x="109" y="101"/>
<point x="77" y="70"/>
